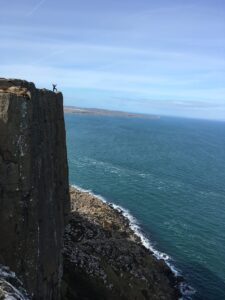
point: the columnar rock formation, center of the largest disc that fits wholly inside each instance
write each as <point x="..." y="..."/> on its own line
<point x="34" y="196"/>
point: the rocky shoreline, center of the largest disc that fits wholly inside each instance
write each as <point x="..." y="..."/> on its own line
<point x="103" y="254"/>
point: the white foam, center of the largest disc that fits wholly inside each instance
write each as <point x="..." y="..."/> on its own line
<point x="11" y="293"/>
<point x="185" y="289"/>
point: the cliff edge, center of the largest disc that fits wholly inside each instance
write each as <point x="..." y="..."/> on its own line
<point x="34" y="195"/>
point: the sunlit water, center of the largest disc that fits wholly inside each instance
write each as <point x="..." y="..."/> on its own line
<point x="170" y="174"/>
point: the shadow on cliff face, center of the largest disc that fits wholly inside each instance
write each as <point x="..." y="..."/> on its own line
<point x="106" y="264"/>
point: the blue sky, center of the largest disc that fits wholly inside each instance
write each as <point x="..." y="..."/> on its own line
<point x="164" y="57"/>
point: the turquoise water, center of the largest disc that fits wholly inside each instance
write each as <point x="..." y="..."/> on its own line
<point x="170" y="174"/>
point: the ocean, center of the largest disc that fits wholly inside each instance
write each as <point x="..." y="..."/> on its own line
<point x="169" y="174"/>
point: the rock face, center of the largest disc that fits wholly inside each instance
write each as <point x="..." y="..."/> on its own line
<point x="105" y="260"/>
<point x="34" y="196"/>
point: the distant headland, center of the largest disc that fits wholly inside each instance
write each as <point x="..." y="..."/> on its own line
<point x="106" y="112"/>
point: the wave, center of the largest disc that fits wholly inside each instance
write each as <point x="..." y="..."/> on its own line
<point x="12" y="286"/>
<point x="186" y="290"/>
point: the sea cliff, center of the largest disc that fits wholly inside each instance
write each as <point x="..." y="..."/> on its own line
<point x="61" y="248"/>
<point x="34" y="196"/>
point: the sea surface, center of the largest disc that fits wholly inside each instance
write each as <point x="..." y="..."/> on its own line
<point x="170" y="175"/>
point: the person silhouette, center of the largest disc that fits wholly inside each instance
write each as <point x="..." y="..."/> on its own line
<point x="54" y="87"/>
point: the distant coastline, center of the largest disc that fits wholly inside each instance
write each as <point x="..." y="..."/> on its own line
<point x="105" y="112"/>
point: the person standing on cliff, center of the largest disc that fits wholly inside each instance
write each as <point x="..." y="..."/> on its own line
<point x="54" y="87"/>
